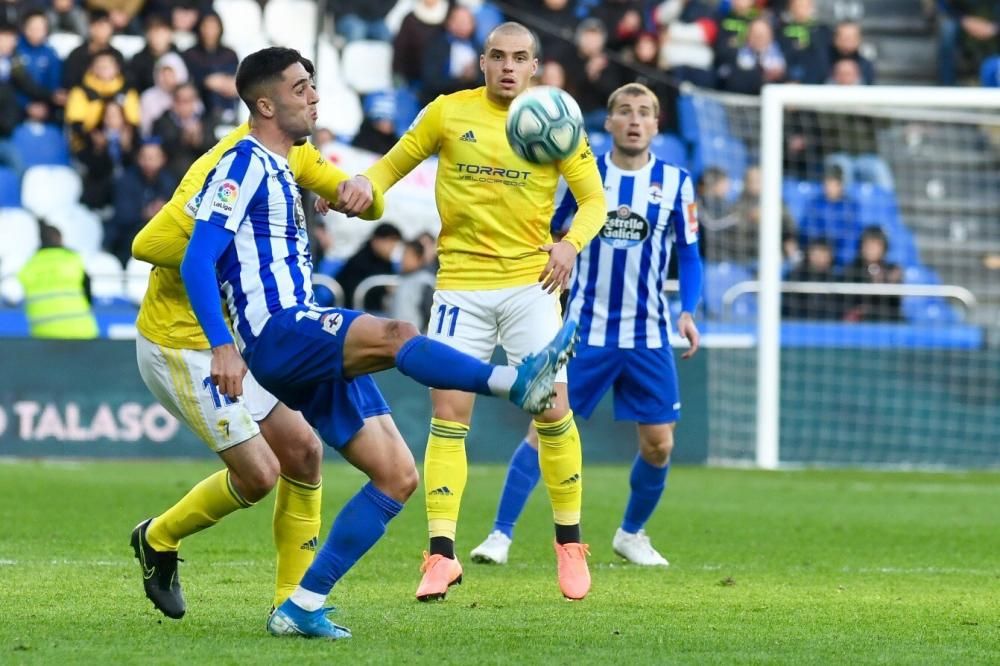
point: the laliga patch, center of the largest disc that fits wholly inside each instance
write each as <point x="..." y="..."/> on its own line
<point x="225" y="197"/>
<point x="331" y="322"/>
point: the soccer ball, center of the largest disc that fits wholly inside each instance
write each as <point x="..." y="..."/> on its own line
<point x="544" y="124"/>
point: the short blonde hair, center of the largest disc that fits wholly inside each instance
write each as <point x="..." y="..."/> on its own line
<point x="633" y="90"/>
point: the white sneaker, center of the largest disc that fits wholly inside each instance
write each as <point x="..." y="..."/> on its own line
<point x="636" y="549"/>
<point x="493" y="550"/>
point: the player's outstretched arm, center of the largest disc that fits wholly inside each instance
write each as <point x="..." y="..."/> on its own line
<point x="422" y="140"/>
<point x="316" y="174"/>
<point x="162" y="242"/>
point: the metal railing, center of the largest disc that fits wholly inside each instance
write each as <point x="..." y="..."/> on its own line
<point x="369" y="283"/>
<point x="949" y="291"/>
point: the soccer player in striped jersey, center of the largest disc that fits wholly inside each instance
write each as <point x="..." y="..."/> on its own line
<point x="262" y="442"/>
<point x="250" y="235"/>
<point x="618" y="297"/>
<point x="495" y="248"/>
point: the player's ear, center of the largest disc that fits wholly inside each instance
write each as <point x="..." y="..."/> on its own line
<point x="607" y="122"/>
<point x="482" y="63"/>
<point x="534" y="67"/>
<point x="265" y="108"/>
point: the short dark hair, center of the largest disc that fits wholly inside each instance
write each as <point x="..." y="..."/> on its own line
<point x="95" y="15"/>
<point x="417" y="247"/>
<point x="834" y="172"/>
<point x="49" y="236"/>
<point x="32" y="13"/>
<point x="263" y="68"/>
<point x="874" y="232"/>
<point x="387" y="230"/>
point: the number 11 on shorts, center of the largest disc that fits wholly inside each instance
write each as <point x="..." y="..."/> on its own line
<point x="445" y="311"/>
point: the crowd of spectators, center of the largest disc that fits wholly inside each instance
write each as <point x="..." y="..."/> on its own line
<point x="133" y="125"/>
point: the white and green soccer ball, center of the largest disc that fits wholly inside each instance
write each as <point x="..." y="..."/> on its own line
<point x="544" y="124"/>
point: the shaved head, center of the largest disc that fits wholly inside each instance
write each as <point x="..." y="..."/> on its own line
<point x="511" y="28"/>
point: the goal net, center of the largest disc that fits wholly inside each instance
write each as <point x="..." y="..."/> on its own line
<point x="852" y="247"/>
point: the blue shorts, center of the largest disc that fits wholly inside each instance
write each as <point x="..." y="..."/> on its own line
<point x="645" y="383"/>
<point x="299" y="357"/>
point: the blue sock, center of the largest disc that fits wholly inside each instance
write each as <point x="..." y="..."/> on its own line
<point x="647" y="484"/>
<point x="439" y="366"/>
<point x="358" y="526"/>
<point x="522" y="476"/>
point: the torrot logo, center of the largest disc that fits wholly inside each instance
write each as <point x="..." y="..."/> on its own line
<point x="624" y="228"/>
<point x="482" y="173"/>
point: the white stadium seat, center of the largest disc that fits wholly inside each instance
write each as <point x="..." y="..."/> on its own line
<point x="47" y="188"/>
<point x="129" y="45"/>
<point x="241" y="22"/>
<point x="136" y="279"/>
<point x="292" y="23"/>
<point x="339" y="107"/>
<point x="19" y="231"/>
<point x="81" y="228"/>
<point x="64" y="42"/>
<point x="367" y="66"/>
<point x="107" y="277"/>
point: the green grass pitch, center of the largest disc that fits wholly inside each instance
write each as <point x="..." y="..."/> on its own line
<point x="792" y="567"/>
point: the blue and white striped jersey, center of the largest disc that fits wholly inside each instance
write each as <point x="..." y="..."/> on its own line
<point x="268" y="267"/>
<point x="616" y="291"/>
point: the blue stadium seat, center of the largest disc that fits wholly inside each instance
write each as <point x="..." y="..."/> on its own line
<point x="719" y="277"/>
<point x="797" y="194"/>
<point x="722" y="151"/>
<point x="670" y="149"/>
<point x="989" y="72"/>
<point x="878" y="207"/>
<point x="927" y="309"/>
<point x="687" y="119"/>
<point x="600" y="142"/>
<point x="10" y="188"/>
<point x="41" y="144"/>
<point x="407" y="108"/>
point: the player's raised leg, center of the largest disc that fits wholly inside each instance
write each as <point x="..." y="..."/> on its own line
<point x="378" y="450"/>
<point x="522" y="477"/>
<point x="647" y="481"/>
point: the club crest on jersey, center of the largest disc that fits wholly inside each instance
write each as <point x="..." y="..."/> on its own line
<point x="655" y="195"/>
<point x="225" y="197"/>
<point x="331" y="322"/>
<point x="624" y="228"/>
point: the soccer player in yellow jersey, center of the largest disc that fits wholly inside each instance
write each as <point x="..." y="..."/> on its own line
<point x="174" y="358"/>
<point x="495" y="247"/>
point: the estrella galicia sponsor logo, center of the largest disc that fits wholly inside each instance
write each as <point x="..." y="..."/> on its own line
<point x="624" y="228"/>
<point x="492" y="174"/>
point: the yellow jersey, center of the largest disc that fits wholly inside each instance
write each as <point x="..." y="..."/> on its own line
<point x="165" y="315"/>
<point x="495" y="207"/>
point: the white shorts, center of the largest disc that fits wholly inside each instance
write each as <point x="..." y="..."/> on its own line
<point x="181" y="380"/>
<point x="521" y="320"/>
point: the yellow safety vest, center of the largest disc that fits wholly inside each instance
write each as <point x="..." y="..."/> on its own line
<point x="54" y="300"/>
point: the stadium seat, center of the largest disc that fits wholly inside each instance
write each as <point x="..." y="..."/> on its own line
<point x="107" y="278"/>
<point x="241" y="20"/>
<point x="719" y="277"/>
<point x="722" y="151"/>
<point x="366" y="66"/>
<point x="670" y="149"/>
<point x="686" y="119"/>
<point x="19" y="231"/>
<point x="10" y="189"/>
<point x="136" y="279"/>
<point x="292" y="23"/>
<point x="46" y="188"/>
<point x="989" y="72"/>
<point x="407" y="108"/>
<point x="11" y="290"/>
<point x="926" y="309"/>
<point x="129" y="45"/>
<point x="796" y="195"/>
<point x="64" y="42"/>
<point x="40" y="143"/>
<point x="878" y="207"/>
<point x="81" y="228"/>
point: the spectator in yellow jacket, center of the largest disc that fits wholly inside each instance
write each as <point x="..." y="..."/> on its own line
<point x="102" y="83"/>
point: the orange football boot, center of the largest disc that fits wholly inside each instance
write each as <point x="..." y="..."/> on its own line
<point x="440" y="573"/>
<point x="574" y="576"/>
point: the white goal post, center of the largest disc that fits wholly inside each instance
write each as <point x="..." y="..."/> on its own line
<point x="775" y="99"/>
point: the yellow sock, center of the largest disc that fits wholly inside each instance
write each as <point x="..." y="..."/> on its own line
<point x="445" y="473"/>
<point x="560" y="458"/>
<point x="296" y="532"/>
<point x="206" y="504"/>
